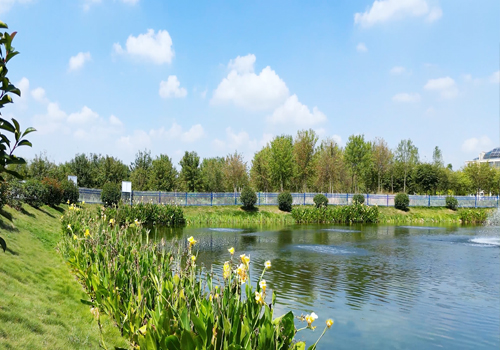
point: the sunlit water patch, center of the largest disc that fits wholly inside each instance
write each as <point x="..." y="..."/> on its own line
<point x="331" y="250"/>
<point x="486" y="241"/>
<point x="339" y="230"/>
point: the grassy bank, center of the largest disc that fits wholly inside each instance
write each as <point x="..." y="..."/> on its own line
<point x="387" y="215"/>
<point x="40" y="304"/>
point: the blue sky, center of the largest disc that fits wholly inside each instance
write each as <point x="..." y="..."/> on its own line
<point x="116" y="76"/>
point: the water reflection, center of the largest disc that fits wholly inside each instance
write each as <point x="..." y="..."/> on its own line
<point x="409" y="287"/>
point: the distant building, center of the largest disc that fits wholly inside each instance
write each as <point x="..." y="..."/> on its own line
<point x="492" y="158"/>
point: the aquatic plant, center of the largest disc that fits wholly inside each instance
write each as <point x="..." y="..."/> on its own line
<point x="161" y="299"/>
<point x="473" y="216"/>
<point x="346" y="214"/>
<point x="147" y="213"/>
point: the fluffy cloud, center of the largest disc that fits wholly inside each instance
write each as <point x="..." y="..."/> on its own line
<point x="294" y="112"/>
<point x="195" y="133"/>
<point x="397" y="70"/>
<point x="24" y="86"/>
<point x="337" y="139"/>
<point x="77" y="62"/>
<point x="6" y="5"/>
<point x="241" y="142"/>
<point x="495" y="77"/>
<point x="361" y="47"/>
<point x="388" y="10"/>
<point x="156" y="48"/>
<point x="476" y="145"/>
<point x="405" y="97"/>
<point x="171" y="88"/>
<point x="39" y="95"/>
<point x="244" y="88"/>
<point x="445" y="86"/>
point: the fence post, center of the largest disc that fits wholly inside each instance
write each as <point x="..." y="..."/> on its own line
<point x="387" y="200"/>
<point x="186" y="199"/>
<point x="234" y="198"/>
<point x="367" y="199"/>
<point x="259" y="198"/>
<point x="304" y="198"/>
<point x="159" y="197"/>
<point x="429" y="201"/>
<point x="475" y="200"/>
<point x="497" y="200"/>
<point x="211" y="198"/>
<point x="347" y="198"/>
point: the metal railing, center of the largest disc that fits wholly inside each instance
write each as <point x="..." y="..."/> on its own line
<point x="266" y="198"/>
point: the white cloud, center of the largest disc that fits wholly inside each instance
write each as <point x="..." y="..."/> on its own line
<point x="397" y="70"/>
<point x="294" y="112"/>
<point x="445" y="86"/>
<point x="6" y="5"/>
<point x="476" y="145"/>
<point x="337" y="139"/>
<point x="171" y="88"/>
<point x="241" y="142"/>
<point x="39" y="95"/>
<point x="246" y="89"/>
<point x="406" y="97"/>
<point x="156" y="48"/>
<point x="114" y="121"/>
<point x="24" y="86"/>
<point x="389" y="10"/>
<point x="86" y="115"/>
<point x="495" y="77"/>
<point x="77" y="62"/>
<point x="195" y="133"/>
<point x="52" y="121"/>
<point x="130" y="2"/>
<point x="361" y="47"/>
<point x="88" y="3"/>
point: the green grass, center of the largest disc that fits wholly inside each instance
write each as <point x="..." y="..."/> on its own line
<point x="40" y="304"/>
<point x="236" y="215"/>
<point x="436" y="215"/>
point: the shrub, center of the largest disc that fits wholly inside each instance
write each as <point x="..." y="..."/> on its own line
<point x="285" y="201"/>
<point x="358" y="199"/>
<point x="342" y="214"/>
<point x="111" y="194"/>
<point x="34" y="193"/>
<point x="402" y="201"/>
<point x="248" y="198"/>
<point x="451" y="203"/>
<point x="320" y="200"/>
<point x="54" y="192"/>
<point x="70" y="192"/>
<point x="4" y="191"/>
<point x="15" y="195"/>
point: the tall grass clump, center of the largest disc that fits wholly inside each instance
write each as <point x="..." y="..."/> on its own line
<point x="161" y="299"/>
<point x="147" y="213"/>
<point x="473" y="216"/>
<point x="346" y="214"/>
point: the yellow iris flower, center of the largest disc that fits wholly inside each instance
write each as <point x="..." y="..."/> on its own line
<point x="245" y="259"/>
<point x="267" y="264"/>
<point x="329" y="322"/>
<point x="242" y="273"/>
<point x="310" y="318"/>
<point x="263" y="285"/>
<point x="226" y="270"/>
<point x="191" y="241"/>
<point x="87" y="233"/>
<point x="259" y="298"/>
<point x="231" y="250"/>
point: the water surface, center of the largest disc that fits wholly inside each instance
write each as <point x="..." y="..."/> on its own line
<point x="386" y="287"/>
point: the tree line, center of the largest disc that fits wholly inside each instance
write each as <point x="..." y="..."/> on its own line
<point x="299" y="164"/>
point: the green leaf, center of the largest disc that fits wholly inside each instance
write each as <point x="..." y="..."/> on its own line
<point x="199" y="326"/>
<point x="24" y="143"/>
<point x="3" y="25"/>
<point x="27" y="131"/>
<point x="299" y="346"/>
<point x="5" y="125"/>
<point x="172" y="342"/>
<point x="86" y="302"/>
<point x="185" y="320"/>
<point x="3" y="244"/>
<point x="187" y="342"/>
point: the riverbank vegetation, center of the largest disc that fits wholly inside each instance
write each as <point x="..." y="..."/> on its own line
<point x="161" y="299"/>
<point x="40" y="304"/>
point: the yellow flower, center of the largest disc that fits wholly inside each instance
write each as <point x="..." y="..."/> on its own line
<point x="191" y="241"/>
<point x="231" y="250"/>
<point x="210" y="297"/>
<point x="95" y="311"/>
<point x="263" y="285"/>
<point x="226" y="270"/>
<point x="267" y="264"/>
<point x="75" y="237"/>
<point x="83" y="202"/>
<point x="242" y="273"/>
<point x="310" y="318"/>
<point x="216" y="296"/>
<point x="69" y="226"/>
<point x="259" y="298"/>
<point x="245" y="259"/>
<point x="111" y="221"/>
<point x="193" y="258"/>
<point x="87" y="233"/>
<point x="67" y="201"/>
<point x="329" y="322"/>
<point x="136" y="222"/>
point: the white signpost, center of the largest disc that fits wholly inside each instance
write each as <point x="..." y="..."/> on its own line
<point x="127" y="188"/>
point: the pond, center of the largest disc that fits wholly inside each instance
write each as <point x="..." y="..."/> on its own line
<point x="386" y="287"/>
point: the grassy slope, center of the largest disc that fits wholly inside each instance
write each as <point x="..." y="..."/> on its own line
<point x="421" y="214"/>
<point x="40" y="304"/>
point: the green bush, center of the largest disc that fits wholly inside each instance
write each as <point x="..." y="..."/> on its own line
<point x="111" y="194"/>
<point x="248" y="198"/>
<point x="451" y="203"/>
<point x="4" y="193"/>
<point x="54" y="192"/>
<point x="34" y="193"/>
<point x="320" y="200"/>
<point x="148" y="214"/>
<point x="473" y="216"/>
<point x="70" y="192"/>
<point x="285" y="201"/>
<point x="15" y="195"/>
<point x="402" y="201"/>
<point x="358" y="199"/>
<point x="342" y="214"/>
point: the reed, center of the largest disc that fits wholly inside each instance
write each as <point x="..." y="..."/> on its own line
<point x="347" y="214"/>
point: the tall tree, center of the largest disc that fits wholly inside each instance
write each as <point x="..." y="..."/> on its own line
<point x="358" y="157"/>
<point x="235" y="171"/>
<point x="212" y="173"/>
<point x="110" y="169"/>
<point x="139" y="170"/>
<point x="260" y="173"/>
<point x="406" y="156"/>
<point x="162" y="175"/>
<point x="303" y="149"/>
<point x="281" y="161"/>
<point x="426" y="178"/>
<point x="437" y="157"/>
<point x="480" y="175"/>
<point x="382" y="156"/>
<point x="328" y="164"/>
<point x="82" y="167"/>
<point x="190" y="175"/>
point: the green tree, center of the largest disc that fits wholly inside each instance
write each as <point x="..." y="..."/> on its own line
<point x="235" y="171"/>
<point x="437" y="157"/>
<point x="110" y="169"/>
<point x="162" y="174"/>
<point x="260" y="173"/>
<point x="303" y="149"/>
<point x="480" y="175"/>
<point x="190" y="174"/>
<point x="426" y="178"/>
<point x="406" y="157"/>
<point x="82" y="167"/>
<point x="8" y="146"/>
<point x="212" y="173"/>
<point x="382" y="156"/>
<point x="358" y="157"/>
<point x="139" y="170"/>
<point x="328" y="164"/>
<point x="281" y="161"/>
